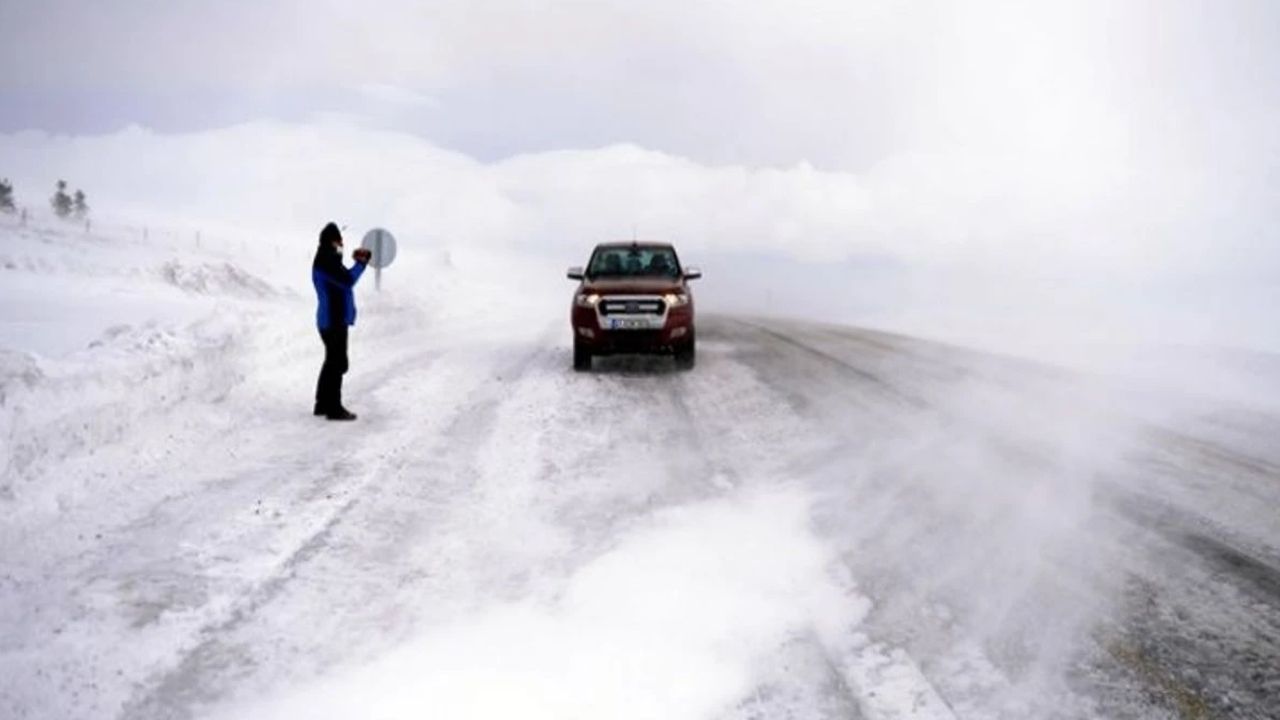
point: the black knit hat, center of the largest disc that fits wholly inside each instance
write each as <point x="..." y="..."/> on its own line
<point x="330" y="234"/>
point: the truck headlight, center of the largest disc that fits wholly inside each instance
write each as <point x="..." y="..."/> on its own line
<point x="587" y="300"/>
<point x="676" y="299"/>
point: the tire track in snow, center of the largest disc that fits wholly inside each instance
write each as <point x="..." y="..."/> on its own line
<point x="175" y="543"/>
<point x="724" y="417"/>
<point x="884" y="681"/>
<point x="192" y="680"/>
<point x="843" y="366"/>
<point x="893" y="672"/>
<point x="1202" y="538"/>
<point x="1200" y="626"/>
<point x="1219" y="578"/>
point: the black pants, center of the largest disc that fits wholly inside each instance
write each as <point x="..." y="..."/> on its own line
<point x="329" y="386"/>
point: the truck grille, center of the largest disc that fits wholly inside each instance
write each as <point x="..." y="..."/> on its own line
<point x="646" y="306"/>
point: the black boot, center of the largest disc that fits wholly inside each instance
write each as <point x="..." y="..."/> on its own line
<point x="341" y="413"/>
<point x="319" y="410"/>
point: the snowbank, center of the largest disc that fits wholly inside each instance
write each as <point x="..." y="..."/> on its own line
<point x="669" y="624"/>
<point x="103" y="330"/>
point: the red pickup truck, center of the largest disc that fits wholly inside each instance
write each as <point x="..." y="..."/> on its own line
<point x="633" y="297"/>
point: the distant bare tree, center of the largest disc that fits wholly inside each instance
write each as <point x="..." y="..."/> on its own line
<point x="6" y="197"/>
<point x="61" y="201"/>
<point x="79" y="206"/>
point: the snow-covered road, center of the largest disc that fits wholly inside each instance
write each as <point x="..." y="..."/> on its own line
<point x="817" y="522"/>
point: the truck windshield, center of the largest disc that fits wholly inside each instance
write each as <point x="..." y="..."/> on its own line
<point x="634" y="262"/>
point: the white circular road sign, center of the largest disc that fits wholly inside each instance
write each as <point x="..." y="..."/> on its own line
<point x="382" y="245"/>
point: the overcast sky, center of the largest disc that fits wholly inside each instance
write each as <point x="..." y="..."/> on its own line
<point x="988" y="142"/>
<point x="837" y="83"/>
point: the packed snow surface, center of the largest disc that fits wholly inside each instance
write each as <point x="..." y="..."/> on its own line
<point x="816" y="522"/>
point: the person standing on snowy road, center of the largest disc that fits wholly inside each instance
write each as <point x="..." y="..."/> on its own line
<point x="336" y="311"/>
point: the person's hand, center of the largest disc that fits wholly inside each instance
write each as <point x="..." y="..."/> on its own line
<point x="362" y="255"/>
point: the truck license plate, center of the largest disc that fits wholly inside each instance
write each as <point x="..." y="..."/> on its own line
<point x="628" y="324"/>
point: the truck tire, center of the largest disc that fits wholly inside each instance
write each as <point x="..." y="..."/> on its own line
<point x="687" y="354"/>
<point x="581" y="356"/>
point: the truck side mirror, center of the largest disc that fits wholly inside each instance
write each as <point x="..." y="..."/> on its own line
<point x="692" y="273"/>
<point x="575" y="273"/>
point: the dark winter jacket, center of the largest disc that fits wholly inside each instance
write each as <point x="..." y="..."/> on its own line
<point x="333" y="282"/>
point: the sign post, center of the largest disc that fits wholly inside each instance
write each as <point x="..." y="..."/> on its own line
<point x="382" y="248"/>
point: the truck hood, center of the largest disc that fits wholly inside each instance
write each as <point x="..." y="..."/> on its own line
<point x="632" y="286"/>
